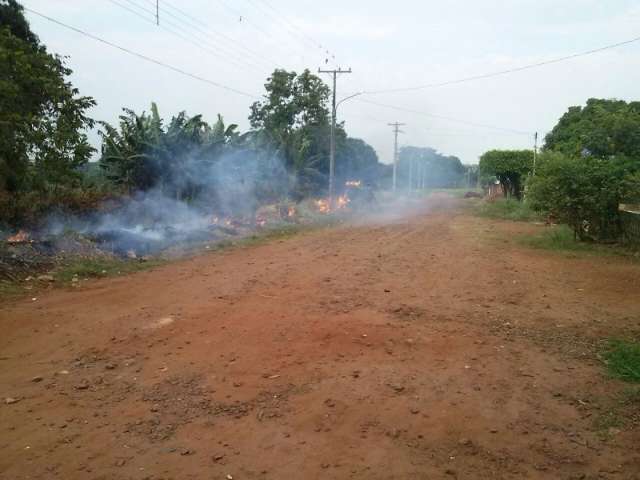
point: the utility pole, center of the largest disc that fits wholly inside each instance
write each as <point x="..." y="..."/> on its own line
<point x="157" y="12"/>
<point x="410" y="174"/>
<point x="396" y="130"/>
<point x="535" y="152"/>
<point x="332" y="149"/>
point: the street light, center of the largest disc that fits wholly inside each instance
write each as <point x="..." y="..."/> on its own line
<point x="332" y="151"/>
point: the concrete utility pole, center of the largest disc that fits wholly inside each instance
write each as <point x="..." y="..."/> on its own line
<point x="157" y="12"/>
<point x="535" y="152"/>
<point x="396" y="130"/>
<point x="332" y="151"/>
<point x="410" y="174"/>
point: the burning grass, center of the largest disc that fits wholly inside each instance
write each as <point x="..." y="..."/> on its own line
<point x="71" y="258"/>
<point x="323" y="205"/>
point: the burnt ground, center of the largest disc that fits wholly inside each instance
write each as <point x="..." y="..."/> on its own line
<point x="430" y="346"/>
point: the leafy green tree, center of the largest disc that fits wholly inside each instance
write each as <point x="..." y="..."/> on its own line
<point x="590" y="164"/>
<point x="292" y="101"/>
<point x="42" y="117"/>
<point x="12" y="17"/>
<point x="602" y="128"/>
<point x="510" y="167"/>
<point x="585" y="192"/>
<point x="294" y="117"/>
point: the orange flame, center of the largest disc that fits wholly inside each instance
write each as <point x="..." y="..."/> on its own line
<point x="19" y="237"/>
<point x="324" y="206"/>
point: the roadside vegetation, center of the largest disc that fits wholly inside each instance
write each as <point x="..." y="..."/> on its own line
<point x="623" y="360"/>
<point x="588" y="169"/>
<point x="508" y="209"/>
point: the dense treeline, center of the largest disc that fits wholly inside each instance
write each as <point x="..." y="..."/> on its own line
<point x="589" y="165"/>
<point x="424" y="167"/>
<point x="45" y="154"/>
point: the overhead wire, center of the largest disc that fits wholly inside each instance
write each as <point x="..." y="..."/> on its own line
<point x="265" y="33"/>
<point x="204" y="29"/>
<point x="142" y="56"/>
<point x="442" y="117"/>
<point x="230" y="57"/>
<point x="507" y="71"/>
<point x="292" y="28"/>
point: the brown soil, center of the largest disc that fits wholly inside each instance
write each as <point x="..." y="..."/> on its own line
<point x="432" y="346"/>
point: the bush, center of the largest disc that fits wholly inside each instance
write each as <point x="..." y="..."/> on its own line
<point x="584" y="192"/>
<point x="30" y="207"/>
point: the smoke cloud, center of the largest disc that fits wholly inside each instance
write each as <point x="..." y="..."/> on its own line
<point x="185" y="205"/>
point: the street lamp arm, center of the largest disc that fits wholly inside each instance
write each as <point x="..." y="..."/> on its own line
<point x="347" y="98"/>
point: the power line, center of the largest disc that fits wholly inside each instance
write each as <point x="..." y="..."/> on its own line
<point x="198" y="25"/>
<point x="504" y="72"/>
<point x="143" y="57"/>
<point x="246" y="20"/>
<point x="451" y="119"/>
<point x="194" y="41"/>
<point x="291" y="27"/>
<point x="296" y="30"/>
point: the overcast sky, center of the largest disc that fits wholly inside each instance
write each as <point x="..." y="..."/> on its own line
<point x="388" y="45"/>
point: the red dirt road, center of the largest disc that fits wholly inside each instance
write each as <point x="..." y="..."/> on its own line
<point x="426" y="347"/>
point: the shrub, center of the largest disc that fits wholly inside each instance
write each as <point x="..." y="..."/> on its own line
<point x="584" y="192"/>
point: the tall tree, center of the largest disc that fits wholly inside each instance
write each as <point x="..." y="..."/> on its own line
<point x="292" y="101"/>
<point x="602" y="128"/>
<point x="43" y="118"/>
<point x="294" y="116"/>
<point x="510" y="167"/>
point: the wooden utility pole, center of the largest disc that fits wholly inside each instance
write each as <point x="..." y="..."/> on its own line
<point x="396" y="130"/>
<point x="332" y="148"/>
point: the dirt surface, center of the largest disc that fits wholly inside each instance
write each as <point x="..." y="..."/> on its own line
<point x="430" y="346"/>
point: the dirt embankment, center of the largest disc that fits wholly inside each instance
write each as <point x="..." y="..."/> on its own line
<point x="416" y="347"/>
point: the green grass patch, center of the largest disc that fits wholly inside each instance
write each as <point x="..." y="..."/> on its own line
<point x="10" y="289"/>
<point x="560" y="238"/>
<point x="508" y="209"/>
<point x="101" y="267"/>
<point x="622" y="358"/>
